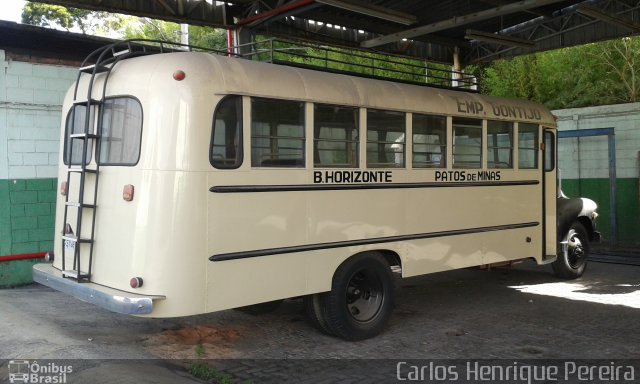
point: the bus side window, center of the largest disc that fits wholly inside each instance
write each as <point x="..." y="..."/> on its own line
<point x="429" y="141"/>
<point x="499" y="144"/>
<point x="527" y="146"/>
<point x="467" y="143"/>
<point x="335" y="138"/>
<point x="226" y="143"/>
<point x="385" y="139"/>
<point x="277" y="133"/>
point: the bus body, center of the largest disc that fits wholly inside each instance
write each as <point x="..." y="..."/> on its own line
<point x="251" y="182"/>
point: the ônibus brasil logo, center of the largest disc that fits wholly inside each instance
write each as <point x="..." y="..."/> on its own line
<point x="25" y="371"/>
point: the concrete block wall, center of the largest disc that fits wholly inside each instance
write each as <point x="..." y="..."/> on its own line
<point x="31" y="96"/>
<point x="584" y="164"/>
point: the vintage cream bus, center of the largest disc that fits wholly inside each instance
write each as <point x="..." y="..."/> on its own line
<point x="193" y="183"/>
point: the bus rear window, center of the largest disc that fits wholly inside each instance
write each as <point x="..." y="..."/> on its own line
<point x="76" y="120"/>
<point x="226" y="144"/>
<point x="121" y="131"/>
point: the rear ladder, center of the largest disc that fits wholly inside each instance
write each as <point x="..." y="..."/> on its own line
<point x="85" y="202"/>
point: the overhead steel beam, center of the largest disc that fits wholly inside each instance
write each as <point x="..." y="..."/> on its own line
<point x="372" y="10"/>
<point x="495" y="38"/>
<point x="599" y="14"/>
<point x="457" y="22"/>
<point x="254" y="20"/>
<point x="566" y="28"/>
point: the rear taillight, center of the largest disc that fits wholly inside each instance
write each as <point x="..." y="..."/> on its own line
<point x="127" y="192"/>
<point x="64" y="188"/>
<point x="136" y="282"/>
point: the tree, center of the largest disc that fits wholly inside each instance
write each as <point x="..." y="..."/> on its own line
<point x="621" y="60"/>
<point x="46" y="15"/>
<point x="591" y="74"/>
<point x="127" y="27"/>
<point x="150" y="29"/>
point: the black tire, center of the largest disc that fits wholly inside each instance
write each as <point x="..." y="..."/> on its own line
<point x="314" y="313"/>
<point x="361" y="298"/>
<point x="572" y="257"/>
<point x="261" y="308"/>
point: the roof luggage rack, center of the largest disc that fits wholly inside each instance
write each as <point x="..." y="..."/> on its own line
<point x="302" y="55"/>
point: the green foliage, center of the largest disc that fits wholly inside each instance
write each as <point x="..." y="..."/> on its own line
<point x="200" y="351"/>
<point x="150" y="29"/>
<point x="109" y="24"/>
<point x="204" y="372"/>
<point x="591" y="74"/>
<point x="46" y="15"/>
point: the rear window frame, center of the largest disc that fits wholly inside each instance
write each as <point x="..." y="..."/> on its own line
<point x="100" y="125"/>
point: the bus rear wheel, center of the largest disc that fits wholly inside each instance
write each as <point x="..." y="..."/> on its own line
<point x="574" y="252"/>
<point x="361" y="298"/>
<point x="314" y="311"/>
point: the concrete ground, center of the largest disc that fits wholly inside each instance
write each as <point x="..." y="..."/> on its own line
<point x="518" y="313"/>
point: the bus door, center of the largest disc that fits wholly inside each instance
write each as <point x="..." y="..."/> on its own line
<point x="549" y="191"/>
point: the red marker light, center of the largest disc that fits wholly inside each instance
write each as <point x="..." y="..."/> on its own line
<point x="64" y="188"/>
<point x="179" y="75"/>
<point x="136" y="282"/>
<point x="127" y="192"/>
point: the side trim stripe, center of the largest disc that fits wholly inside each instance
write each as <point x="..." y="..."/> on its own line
<point x="340" y="187"/>
<point x="351" y="243"/>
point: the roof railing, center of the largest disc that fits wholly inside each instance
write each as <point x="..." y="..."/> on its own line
<point x="363" y="64"/>
<point x="306" y="55"/>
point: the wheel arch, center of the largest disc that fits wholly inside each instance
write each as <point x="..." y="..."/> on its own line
<point x="392" y="257"/>
<point x="588" y="225"/>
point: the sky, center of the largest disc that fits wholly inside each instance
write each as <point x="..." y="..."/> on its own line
<point x="11" y="9"/>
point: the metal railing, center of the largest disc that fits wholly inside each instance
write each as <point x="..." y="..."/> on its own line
<point x="371" y="65"/>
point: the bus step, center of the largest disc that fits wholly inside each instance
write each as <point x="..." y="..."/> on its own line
<point x="78" y="205"/>
<point x="76" y="240"/>
<point x="85" y="102"/>
<point x="83" y="136"/>
<point x="80" y="170"/>
<point x="74" y="274"/>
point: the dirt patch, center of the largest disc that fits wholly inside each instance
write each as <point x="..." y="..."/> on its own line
<point x="193" y="342"/>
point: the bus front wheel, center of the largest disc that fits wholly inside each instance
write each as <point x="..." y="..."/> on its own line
<point x="574" y="252"/>
<point x="361" y="297"/>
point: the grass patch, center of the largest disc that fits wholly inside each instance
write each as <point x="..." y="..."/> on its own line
<point x="204" y="372"/>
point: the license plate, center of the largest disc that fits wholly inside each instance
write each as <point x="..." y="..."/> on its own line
<point x="69" y="246"/>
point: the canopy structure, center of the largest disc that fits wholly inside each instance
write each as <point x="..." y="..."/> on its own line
<point x="434" y="30"/>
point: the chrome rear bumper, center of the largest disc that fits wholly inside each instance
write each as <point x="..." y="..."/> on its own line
<point x="112" y="299"/>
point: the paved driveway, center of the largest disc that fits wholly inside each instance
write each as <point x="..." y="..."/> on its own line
<point x="518" y="313"/>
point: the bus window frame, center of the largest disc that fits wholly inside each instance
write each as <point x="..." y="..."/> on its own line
<point x="240" y="139"/>
<point x="100" y="125"/>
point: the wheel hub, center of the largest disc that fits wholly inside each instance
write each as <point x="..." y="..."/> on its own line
<point x="364" y="296"/>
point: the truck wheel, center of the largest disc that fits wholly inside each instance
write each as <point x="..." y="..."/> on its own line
<point x="573" y="254"/>
<point x="313" y="311"/>
<point x="361" y="298"/>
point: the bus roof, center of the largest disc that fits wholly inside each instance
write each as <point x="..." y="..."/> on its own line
<point x="224" y="75"/>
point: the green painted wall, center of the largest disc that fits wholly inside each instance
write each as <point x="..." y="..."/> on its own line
<point x="628" y="206"/>
<point x="27" y="213"/>
<point x="17" y="272"/>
